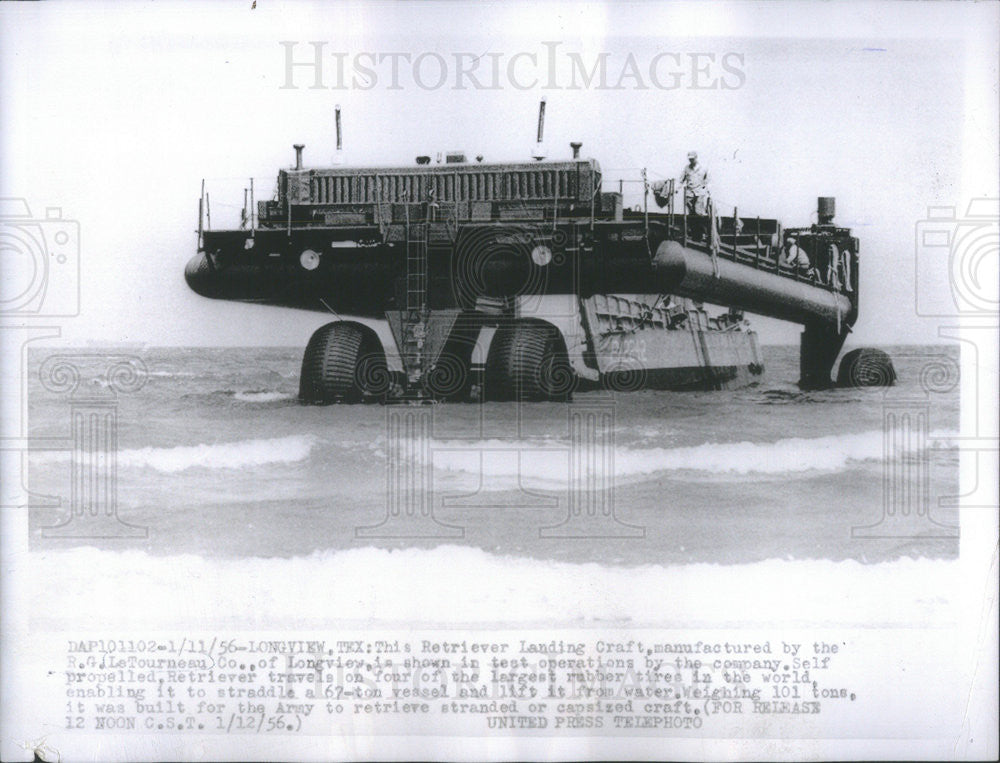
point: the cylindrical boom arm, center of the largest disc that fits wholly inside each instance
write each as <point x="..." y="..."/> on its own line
<point x="687" y="273"/>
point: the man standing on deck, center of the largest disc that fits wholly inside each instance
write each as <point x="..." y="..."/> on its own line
<point x="694" y="180"/>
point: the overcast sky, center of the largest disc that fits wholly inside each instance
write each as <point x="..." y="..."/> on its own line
<point x="115" y="114"/>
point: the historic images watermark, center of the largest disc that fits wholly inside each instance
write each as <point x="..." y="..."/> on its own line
<point x="40" y="256"/>
<point x="957" y="261"/>
<point x="587" y="442"/>
<point x="41" y="266"/>
<point x="957" y="273"/>
<point x="956" y="277"/>
<point x="551" y="65"/>
<point x="93" y="383"/>
<point x="587" y="503"/>
<point x="910" y="446"/>
<point x="41" y="262"/>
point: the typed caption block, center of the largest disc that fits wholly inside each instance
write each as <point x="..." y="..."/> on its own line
<point x="652" y="682"/>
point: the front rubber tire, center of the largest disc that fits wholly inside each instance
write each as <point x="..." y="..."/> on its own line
<point x="342" y="363"/>
<point x="866" y="367"/>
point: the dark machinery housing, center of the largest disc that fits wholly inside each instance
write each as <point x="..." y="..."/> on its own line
<point x="461" y="280"/>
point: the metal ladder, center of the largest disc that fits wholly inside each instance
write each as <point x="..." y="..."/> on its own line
<point x="416" y="312"/>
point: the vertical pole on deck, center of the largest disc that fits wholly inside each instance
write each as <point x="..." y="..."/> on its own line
<point x="756" y="249"/>
<point x="645" y="201"/>
<point x="815" y="260"/>
<point x="670" y="202"/>
<point x="201" y="214"/>
<point x="854" y="271"/>
<point x="252" y="209"/>
<point x="593" y="195"/>
<point x="736" y="240"/>
<point x="208" y="212"/>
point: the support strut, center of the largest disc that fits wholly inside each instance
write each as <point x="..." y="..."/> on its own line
<point x="821" y="344"/>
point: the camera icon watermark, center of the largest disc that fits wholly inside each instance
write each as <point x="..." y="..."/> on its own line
<point x="41" y="262"/>
<point x="957" y="261"/>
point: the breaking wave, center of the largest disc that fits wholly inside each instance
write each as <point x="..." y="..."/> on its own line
<point x="542" y="462"/>
<point x="171" y="374"/>
<point x="225" y="455"/>
<point x="261" y="396"/>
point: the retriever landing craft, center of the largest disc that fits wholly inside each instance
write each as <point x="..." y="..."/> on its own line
<point x="468" y="280"/>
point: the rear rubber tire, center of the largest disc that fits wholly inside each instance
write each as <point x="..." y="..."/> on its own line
<point x="342" y="364"/>
<point x="866" y="367"/>
<point x="528" y="361"/>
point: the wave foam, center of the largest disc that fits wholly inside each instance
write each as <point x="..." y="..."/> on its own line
<point x="541" y="463"/>
<point x="511" y="464"/>
<point x="261" y="396"/>
<point x="795" y="454"/>
<point x="226" y="455"/>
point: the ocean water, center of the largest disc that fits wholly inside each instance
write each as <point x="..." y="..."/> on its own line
<point x="216" y="458"/>
<point x="756" y="505"/>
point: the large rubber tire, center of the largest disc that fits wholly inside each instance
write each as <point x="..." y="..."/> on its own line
<point x="528" y="361"/>
<point x="866" y="367"/>
<point x="343" y="363"/>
